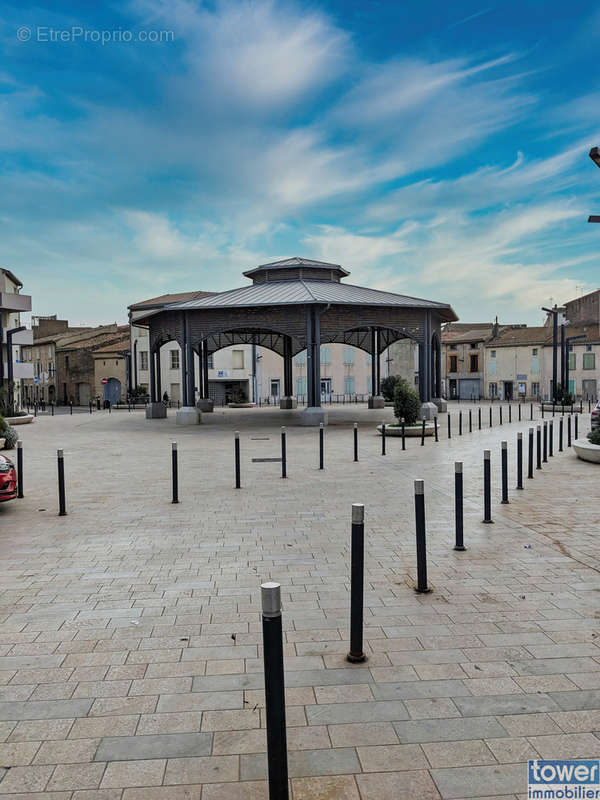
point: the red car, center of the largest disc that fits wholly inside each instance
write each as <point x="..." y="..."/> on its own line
<point x="8" y="479"/>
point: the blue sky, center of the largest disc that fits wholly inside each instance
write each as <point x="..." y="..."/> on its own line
<point x="434" y="149"/>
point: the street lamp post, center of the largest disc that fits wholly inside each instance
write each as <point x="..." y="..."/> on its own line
<point x="595" y="156"/>
<point x="554" y="313"/>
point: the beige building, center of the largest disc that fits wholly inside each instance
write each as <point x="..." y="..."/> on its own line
<point x="14" y="370"/>
<point x="463" y="355"/>
<point x="111" y="370"/>
<point x="515" y="363"/>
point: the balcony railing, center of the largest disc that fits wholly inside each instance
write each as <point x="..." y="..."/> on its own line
<point x="15" y="302"/>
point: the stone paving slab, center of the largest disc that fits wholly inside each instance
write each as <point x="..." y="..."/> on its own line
<point x="130" y="630"/>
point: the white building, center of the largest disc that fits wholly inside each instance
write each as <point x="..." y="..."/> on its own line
<point x="13" y="370"/>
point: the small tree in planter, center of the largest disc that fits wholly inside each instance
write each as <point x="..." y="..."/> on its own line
<point x="407" y="404"/>
<point x="388" y="387"/>
<point x="594" y="436"/>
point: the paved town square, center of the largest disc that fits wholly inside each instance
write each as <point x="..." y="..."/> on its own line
<point x="130" y="629"/>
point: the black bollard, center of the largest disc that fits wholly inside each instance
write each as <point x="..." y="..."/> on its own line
<point x="551" y="438"/>
<point x="174" y="473"/>
<point x="479" y="416"/>
<point x="509" y="412"/>
<point x="581" y="405"/>
<point x="71" y="408"/>
<point x="504" y="473"/>
<point x="321" y="445"/>
<point x="274" y="691"/>
<point x="589" y="406"/>
<point x="560" y="435"/>
<point x="569" y="431"/>
<point x="460" y="423"/>
<point x="109" y="407"/>
<point x="90" y="406"/>
<point x="519" y="411"/>
<point x="356" y="653"/>
<point x="542" y="409"/>
<point x="356" y="441"/>
<point x="531" y="411"/>
<point x="487" y="487"/>
<point x="519" y="460"/>
<point x="449" y="427"/>
<point x="576" y="426"/>
<point x="62" y="505"/>
<point x="545" y="445"/>
<point x="470" y="421"/>
<point x="500" y="410"/>
<point x="538" y="447"/>
<point x="238" y="477"/>
<point x="420" y="532"/>
<point x="435" y="428"/>
<point x="283" y="453"/>
<point x="530" y="464"/>
<point x="458" y="506"/>
<point x="35" y="408"/>
<point x="383" y="438"/>
<point x="423" y="433"/>
<point x="490" y="416"/>
<point x="553" y="407"/>
<point x="52" y="409"/>
<point x="403" y="435"/>
<point x="20" y="476"/>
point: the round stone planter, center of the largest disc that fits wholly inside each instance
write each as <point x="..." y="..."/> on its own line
<point x="587" y="451"/>
<point x="24" y="420"/>
<point x="241" y="405"/>
<point x="2" y="443"/>
<point x="409" y="430"/>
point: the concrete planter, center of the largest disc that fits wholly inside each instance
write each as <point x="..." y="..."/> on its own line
<point x="241" y="405"/>
<point x="2" y="443"/>
<point x="24" y="420"/>
<point x="409" y="430"/>
<point x="587" y="451"/>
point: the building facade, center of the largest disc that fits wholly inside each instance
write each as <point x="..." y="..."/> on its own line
<point x="463" y="356"/>
<point x="14" y="370"/>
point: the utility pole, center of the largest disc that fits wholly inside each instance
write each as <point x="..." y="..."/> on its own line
<point x="554" y="312"/>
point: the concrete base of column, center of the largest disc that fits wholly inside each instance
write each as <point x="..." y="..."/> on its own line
<point x="288" y="402"/>
<point x="187" y="415"/>
<point x="428" y="410"/>
<point x="376" y="401"/>
<point x="440" y="404"/>
<point x="156" y="411"/>
<point x="205" y="404"/>
<point x="313" y="415"/>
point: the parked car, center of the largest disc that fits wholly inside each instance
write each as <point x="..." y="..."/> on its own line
<point x="596" y="416"/>
<point x="8" y="479"/>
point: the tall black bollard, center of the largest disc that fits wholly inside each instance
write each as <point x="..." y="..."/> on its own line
<point x="283" y="453"/>
<point x="551" y="438"/>
<point x="519" y="460"/>
<point x="174" y="473"/>
<point x="52" y="409"/>
<point x="403" y="434"/>
<point x="458" y="506"/>
<point x="420" y="532"/>
<point x="71" y="408"/>
<point x="356" y="654"/>
<point x="576" y="426"/>
<point x="542" y="409"/>
<point x="479" y="416"/>
<point x="504" y="473"/>
<point x="449" y="427"/>
<point x="531" y="411"/>
<point x="500" y="415"/>
<point x="581" y="405"/>
<point x="545" y="445"/>
<point x="460" y="423"/>
<point x="321" y="446"/>
<point x="383" y="438"/>
<point x="490" y="416"/>
<point x="560" y="435"/>
<point x="435" y="428"/>
<point x="470" y="421"/>
<point x="356" y="441"/>
<point x="423" y="433"/>
<point x="569" y="431"/>
<point x="530" y="464"/>
<point x="274" y="691"/>
<point x="509" y="412"/>
<point x="538" y="447"/>
<point x="62" y="505"/>
<point x="487" y="487"/>
<point x="20" y="476"/>
<point x="519" y="411"/>
<point x="236" y="455"/>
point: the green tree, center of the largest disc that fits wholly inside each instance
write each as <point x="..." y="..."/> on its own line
<point x="407" y="404"/>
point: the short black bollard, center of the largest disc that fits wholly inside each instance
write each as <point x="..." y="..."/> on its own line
<point x="423" y="433"/>
<point x="383" y="438"/>
<point x="504" y="473"/>
<point x="62" y="505"/>
<point x="581" y="406"/>
<point x="519" y="411"/>
<point x="487" y="487"/>
<point x="545" y="445"/>
<point x="553" y="407"/>
<point x="519" y="460"/>
<point x="538" y="447"/>
<point x="174" y="473"/>
<point x="52" y="409"/>
<point x="71" y="408"/>
<point x="435" y="428"/>
<point x="509" y="412"/>
<point x="576" y="426"/>
<point x="542" y="409"/>
<point x="551" y="438"/>
<point x="460" y="423"/>
<point x="569" y="431"/>
<point x="470" y="421"/>
<point x="458" y="506"/>
<point x="274" y="691"/>
<point x="531" y="411"/>
<point x="403" y="434"/>
<point x="90" y="406"/>
<point x="321" y="445"/>
<point x="356" y="653"/>
<point x="560" y="435"/>
<point x="490" y="416"/>
<point x="20" y="476"/>
<point x="479" y="416"/>
<point x="420" y="532"/>
<point x="449" y="427"/>
<point x="283" y="453"/>
<point x="35" y="409"/>
<point x="530" y="464"/>
<point x="238" y="476"/>
<point x="356" y="441"/>
<point x="500" y="415"/>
